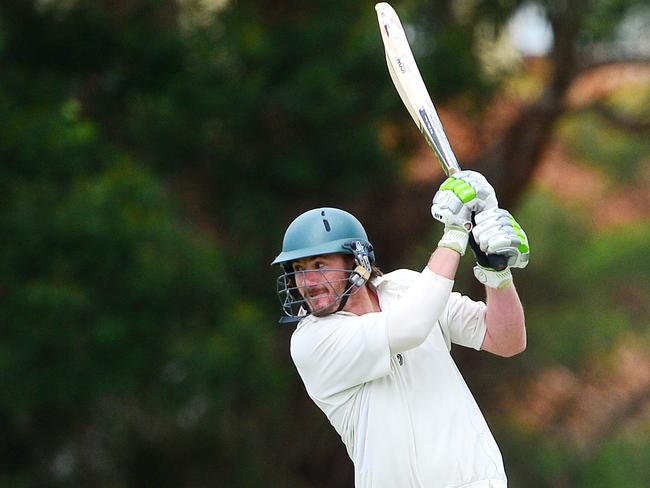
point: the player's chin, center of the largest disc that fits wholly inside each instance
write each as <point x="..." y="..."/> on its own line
<point x="323" y="306"/>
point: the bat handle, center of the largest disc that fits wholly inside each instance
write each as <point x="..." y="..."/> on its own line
<point x="493" y="261"/>
<point x="497" y="262"/>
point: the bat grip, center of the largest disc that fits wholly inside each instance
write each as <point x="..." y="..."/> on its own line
<point x="496" y="262"/>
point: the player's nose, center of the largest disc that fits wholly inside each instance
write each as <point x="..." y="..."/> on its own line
<point x="304" y="278"/>
<point x="312" y="278"/>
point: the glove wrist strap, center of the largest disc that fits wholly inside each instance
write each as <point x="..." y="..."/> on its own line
<point x="454" y="238"/>
<point x="492" y="278"/>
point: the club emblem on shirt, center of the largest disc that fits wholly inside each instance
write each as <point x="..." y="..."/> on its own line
<point x="400" y="359"/>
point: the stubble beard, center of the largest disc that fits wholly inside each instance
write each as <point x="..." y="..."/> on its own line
<point x="326" y="300"/>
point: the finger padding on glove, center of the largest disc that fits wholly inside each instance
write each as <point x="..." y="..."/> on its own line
<point x="497" y="232"/>
<point x="461" y="195"/>
<point x="448" y="206"/>
<point x="483" y="196"/>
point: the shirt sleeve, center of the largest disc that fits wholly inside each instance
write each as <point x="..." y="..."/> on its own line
<point x="337" y="352"/>
<point x="412" y="317"/>
<point x="463" y="322"/>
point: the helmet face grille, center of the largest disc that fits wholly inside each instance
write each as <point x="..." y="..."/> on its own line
<point x="296" y="305"/>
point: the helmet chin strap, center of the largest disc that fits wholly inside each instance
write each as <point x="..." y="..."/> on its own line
<point x="360" y="275"/>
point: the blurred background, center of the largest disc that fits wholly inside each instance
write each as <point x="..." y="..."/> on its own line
<point x="153" y="152"/>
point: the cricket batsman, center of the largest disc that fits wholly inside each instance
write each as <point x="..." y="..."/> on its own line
<point x="373" y="349"/>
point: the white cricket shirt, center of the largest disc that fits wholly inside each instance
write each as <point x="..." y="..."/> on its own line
<point x="407" y="420"/>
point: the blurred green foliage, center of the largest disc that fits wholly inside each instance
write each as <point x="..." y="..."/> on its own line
<point x="620" y="153"/>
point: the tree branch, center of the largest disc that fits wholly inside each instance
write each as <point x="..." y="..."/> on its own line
<point x="590" y="61"/>
<point x="620" y="121"/>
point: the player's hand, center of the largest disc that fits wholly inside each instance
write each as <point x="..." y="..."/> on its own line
<point x="459" y="196"/>
<point x="458" y="199"/>
<point x="497" y="232"/>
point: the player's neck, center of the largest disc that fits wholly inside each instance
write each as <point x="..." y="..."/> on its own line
<point x="364" y="301"/>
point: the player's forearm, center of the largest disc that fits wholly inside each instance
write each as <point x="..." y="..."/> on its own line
<point x="444" y="262"/>
<point x="506" y="325"/>
<point x="410" y="321"/>
<point x="419" y="309"/>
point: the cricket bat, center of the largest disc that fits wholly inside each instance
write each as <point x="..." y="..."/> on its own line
<point x="409" y="84"/>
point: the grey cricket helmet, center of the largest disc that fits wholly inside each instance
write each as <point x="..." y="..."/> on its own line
<point x="323" y="230"/>
<point x="316" y="232"/>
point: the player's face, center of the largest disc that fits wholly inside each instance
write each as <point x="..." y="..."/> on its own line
<point x="321" y="280"/>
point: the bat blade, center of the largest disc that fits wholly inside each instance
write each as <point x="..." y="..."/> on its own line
<point x="409" y="84"/>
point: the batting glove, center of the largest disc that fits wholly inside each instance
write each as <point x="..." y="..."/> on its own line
<point x="459" y="197"/>
<point x="497" y="232"/>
